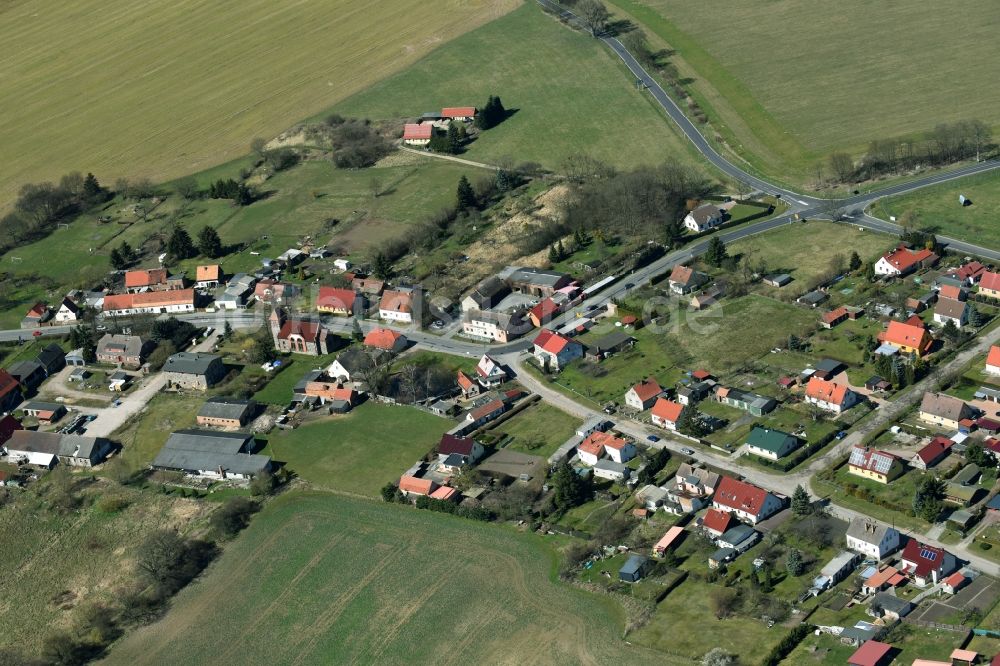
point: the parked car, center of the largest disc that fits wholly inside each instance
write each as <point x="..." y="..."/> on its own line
<point x="688" y="452"/>
<point x="652" y="438"/>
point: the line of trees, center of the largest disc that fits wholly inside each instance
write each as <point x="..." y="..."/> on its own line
<point x="945" y="144"/>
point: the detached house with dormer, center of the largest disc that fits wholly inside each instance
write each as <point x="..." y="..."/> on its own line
<point x="745" y="500"/>
<point x="871" y="539"/>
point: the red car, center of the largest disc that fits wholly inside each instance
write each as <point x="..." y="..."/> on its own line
<point x="37" y="334"/>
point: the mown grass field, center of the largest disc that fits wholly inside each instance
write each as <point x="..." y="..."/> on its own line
<point x="538" y="430"/>
<point x="805" y="250"/>
<point x="55" y="563"/>
<point x="325" y="579"/>
<point x="359" y="452"/>
<point x="786" y="90"/>
<point x="571" y="95"/>
<point x="144" y="436"/>
<point x="164" y="89"/>
<point x="938" y="209"/>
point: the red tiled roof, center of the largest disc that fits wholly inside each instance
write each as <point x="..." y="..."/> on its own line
<point x="872" y="653"/>
<point x="934" y="449"/>
<point x="647" y="389"/>
<point x="545" y="309"/>
<point x="396" y="301"/>
<point x="7" y="384"/>
<point x="834" y="316"/>
<point x="463" y="446"/>
<point x="458" y="111"/>
<point x="993" y="358"/>
<point x="602" y="440"/>
<point x="8" y="424"/>
<point x="701" y="375"/>
<point x="681" y="274"/>
<point x="879" y="579"/>
<point x="308" y="330"/>
<point x="717" y="520"/>
<point x="444" y="493"/>
<point x="145" y="278"/>
<point x="990" y="280"/>
<point x="412" y="484"/>
<point x="208" y="272"/>
<point x="148" y="299"/>
<point x="333" y="298"/>
<point x="951" y="291"/>
<point x="970" y="271"/>
<point x="955" y="579"/>
<point x="740" y="495"/>
<point x="591" y="446"/>
<point x="668" y="410"/>
<point x="551" y="342"/>
<point x="908" y="334"/>
<point x="903" y="259"/>
<point x="417" y="131"/>
<point x="382" y="338"/>
<point x="831" y="392"/>
<point x="628" y="320"/>
<point x="37" y="310"/>
<point x="487" y="409"/>
<point x="923" y="558"/>
<point x="464" y="382"/>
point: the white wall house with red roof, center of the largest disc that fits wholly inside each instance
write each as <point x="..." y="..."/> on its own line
<point x="745" y="500"/>
<point x="666" y="413"/>
<point x="830" y="396"/>
<point x="554" y="351"/>
<point x="993" y="361"/>
<point x="903" y="261"/>
<point x="643" y="395"/>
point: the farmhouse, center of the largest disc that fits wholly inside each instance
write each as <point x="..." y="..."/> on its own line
<point x="537" y="282"/>
<point x="468" y="449"/>
<point x="489" y="325"/>
<point x="554" y="351"/>
<point x="909" y="337"/>
<point x="207" y="276"/>
<point x="703" y="218"/>
<point x="193" y="370"/>
<point x="67" y="312"/>
<point x="684" y="279"/>
<point x="323" y="390"/>
<point x="875" y="465"/>
<point x="226" y="412"/>
<point x="944" y="410"/>
<point x="153" y="279"/>
<point x="871" y="539"/>
<point x="468" y="387"/>
<point x="932" y="453"/>
<point x="487" y="294"/>
<point x="643" y="395"/>
<point x="989" y="284"/>
<point x="150" y="302"/>
<point x="336" y="301"/>
<point x="417" y="134"/>
<point x="951" y="310"/>
<point x="830" y="396"/>
<point x="903" y="261"/>
<point x="926" y="564"/>
<point x="771" y="444"/>
<point x="969" y="274"/>
<point x="43" y="449"/>
<point x="745" y="500"/>
<point x="695" y="480"/>
<point x="292" y="333"/>
<point x="385" y="339"/>
<point x="666" y="413"/>
<point x="127" y="351"/>
<point x="396" y="305"/>
<point x="211" y="454"/>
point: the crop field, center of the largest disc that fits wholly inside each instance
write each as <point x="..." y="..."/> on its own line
<point x="361" y="451"/>
<point x="571" y="95"/>
<point x="790" y="83"/>
<point x="163" y="89"/>
<point x="328" y="579"/>
<point x="938" y="209"/>
<point x="55" y="563"/>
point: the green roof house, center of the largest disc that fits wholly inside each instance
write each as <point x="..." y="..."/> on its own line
<point x="771" y="444"/>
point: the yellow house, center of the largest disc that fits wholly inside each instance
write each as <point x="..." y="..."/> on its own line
<point x="944" y="410"/>
<point x="875" y="465"/>
<point x="989" y="284"/>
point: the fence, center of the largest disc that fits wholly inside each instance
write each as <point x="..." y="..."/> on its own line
<point x="958" y="629"/>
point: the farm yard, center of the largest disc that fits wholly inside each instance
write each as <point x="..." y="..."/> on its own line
<point x="57" y="563"/>
<point x="938" y="210"/>
<point x="570" y="95"/>
<point x="345" y="580"/>
<point x="197" y="94"/>
<point x="770" y="98"/>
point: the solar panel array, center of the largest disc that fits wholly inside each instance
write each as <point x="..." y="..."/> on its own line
<point x="928" y="555"/>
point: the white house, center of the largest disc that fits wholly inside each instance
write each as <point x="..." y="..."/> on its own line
<point x="830" y="396"/>
<point x="554" y="351"/>
<point x="68" y="311"/>
<point x="867" y="537"/>
<point x="903" y="261"/>
<point x="953" y="310"/>
<point x="342" y="264"/>
<point x="745" y="500"/>
<point x="609" y="469"/>
<point x="666" y="413"/>
<point x="150" y="302"/>
<point x="489" y="373"/>
<point x="643" y="395"/>
<point x="703" y="218"/>
<point x="396" y="306"/>
<point x="993" y="361"/>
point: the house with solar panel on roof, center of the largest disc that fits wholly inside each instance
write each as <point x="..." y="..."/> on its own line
<point x="875" y="465"/>
<point x="926" y="565"/>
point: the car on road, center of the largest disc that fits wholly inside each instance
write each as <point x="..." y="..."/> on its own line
<point x="629" y="285"/>
<point x="842" y="434"/>
<point x="37" y="334"/>
<point x="437" y="324"/>
<point x="652" y="438"/>
<point x="688" y="452"/>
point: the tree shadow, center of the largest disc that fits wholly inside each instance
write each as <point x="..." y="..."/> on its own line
<point x="618" y="27"/>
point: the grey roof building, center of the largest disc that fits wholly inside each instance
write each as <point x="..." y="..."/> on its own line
<point x="52" y="358"/>
<point x="194" y="370"/>
<point x="211" y="454"/>
<point x="75" y="450"/>
<point x="28" y="373"/>
<point x="226" y="412"/>
<point x="127" y="350"/>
